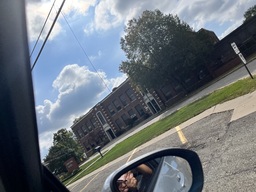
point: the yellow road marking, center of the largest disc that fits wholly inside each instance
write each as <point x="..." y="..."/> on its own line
<point x="181" y="135"/>
<point x="131" y="155"/>
<point x="92" y="179"/>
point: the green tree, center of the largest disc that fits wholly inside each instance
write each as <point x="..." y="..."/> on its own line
<point x="162" y="49"/>
<point x="64" y="147"/>
<point x="250" y="13"/>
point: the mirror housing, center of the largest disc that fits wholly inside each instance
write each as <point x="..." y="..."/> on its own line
<point x="189" y="156"/>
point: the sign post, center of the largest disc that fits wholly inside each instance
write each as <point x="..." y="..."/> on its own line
<point x="98" y="148"/>
<point x="237" y="51"/>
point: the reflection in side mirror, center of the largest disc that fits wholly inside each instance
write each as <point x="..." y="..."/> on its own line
<point x="175" y="174"/>
<point x="160" y="171"/>
<point x="158" y="175"/>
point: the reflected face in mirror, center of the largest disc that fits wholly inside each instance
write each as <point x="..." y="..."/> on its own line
<point x="168" y="173"/>
<point x="127" y="182"/>
<point x="131" y="181"/>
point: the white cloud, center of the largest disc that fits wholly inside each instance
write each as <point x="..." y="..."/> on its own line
<point x="77" y="7"/>
<point x="89" y="29"/>
<point x="198" y="13"/>
<point x="36" y="15"/>
<point x="106" y="17"/>
<point x="45" y="142"/>
<point x="94" y="57"/>
<point x="112" y="13"/>
<point x="109" y="14"/>
<point x="37" y="12"/>
<point x="78" y="90"/>
<point x="115" y="82"/>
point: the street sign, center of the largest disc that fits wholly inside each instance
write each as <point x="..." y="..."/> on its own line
<point x="242" y="57"/>
<point x="237" y="51"/>
<point x="234" y="46"/>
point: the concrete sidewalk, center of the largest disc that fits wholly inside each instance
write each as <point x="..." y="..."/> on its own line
<point x="241" y="107"/>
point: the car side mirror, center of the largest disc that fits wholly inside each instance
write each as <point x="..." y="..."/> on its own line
<point x="160" y="171"/>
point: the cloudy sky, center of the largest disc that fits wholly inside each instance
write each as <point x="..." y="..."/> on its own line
<point x="73" y="73"/>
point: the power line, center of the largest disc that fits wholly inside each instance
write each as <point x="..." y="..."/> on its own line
<point x="42" y="29"/>
<point x="85" y="52"/>
<point x="54" y="21"/>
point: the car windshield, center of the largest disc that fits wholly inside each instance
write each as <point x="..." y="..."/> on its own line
<point x="111" y="75"/>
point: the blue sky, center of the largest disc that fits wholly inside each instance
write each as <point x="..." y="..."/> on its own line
<point x="65" y="83"/>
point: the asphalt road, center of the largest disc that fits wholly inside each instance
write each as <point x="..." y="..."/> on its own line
<point x="226" y="149"/>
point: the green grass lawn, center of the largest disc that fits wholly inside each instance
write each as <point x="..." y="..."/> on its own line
<point x="232" y="91"/>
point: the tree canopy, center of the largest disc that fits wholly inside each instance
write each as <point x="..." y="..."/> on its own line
<point x="162" y="49"/>
<point x="250" y="13"/>
<point x="64" y="147"/>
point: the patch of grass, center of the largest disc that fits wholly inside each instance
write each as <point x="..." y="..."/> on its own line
<point x="232" y="91"/>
